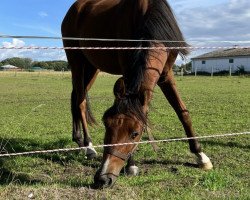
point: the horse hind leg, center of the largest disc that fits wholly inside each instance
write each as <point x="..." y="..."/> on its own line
<point x="168" y="87"/>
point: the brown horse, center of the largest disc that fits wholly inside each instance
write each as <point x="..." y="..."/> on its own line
<point x="143" y="21"/>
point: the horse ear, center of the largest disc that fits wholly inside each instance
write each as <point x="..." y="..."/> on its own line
<point x="119" y="89"/>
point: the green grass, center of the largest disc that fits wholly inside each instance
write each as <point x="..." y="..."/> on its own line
<point x="35" y="115"/>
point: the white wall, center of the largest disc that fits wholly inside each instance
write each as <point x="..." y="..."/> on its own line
<point x="221" y="64"/>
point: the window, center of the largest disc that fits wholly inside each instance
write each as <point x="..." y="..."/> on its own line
<point x="203" y="62"/>
<point x="231" y="60"/>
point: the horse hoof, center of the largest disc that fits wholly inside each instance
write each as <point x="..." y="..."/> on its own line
<point x="204" y="161"/>
<point x="91" y="153"/>
<point x="132" y="171"/>
<point x="206" y="166"/>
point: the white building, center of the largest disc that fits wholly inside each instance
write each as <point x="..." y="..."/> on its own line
<point x="9" y="68"/>
<point x="222" y="60"/>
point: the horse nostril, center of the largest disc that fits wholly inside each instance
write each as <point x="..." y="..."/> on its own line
<point x="103" y="181"/>
<point x="110" y="182"/>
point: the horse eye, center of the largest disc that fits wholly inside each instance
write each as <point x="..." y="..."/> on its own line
<point x="134" y="135"/>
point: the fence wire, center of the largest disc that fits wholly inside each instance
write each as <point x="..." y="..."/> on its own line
<point x="121" y="144"/>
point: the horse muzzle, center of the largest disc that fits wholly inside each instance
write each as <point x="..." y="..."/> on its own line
<point x="104" y="180"/>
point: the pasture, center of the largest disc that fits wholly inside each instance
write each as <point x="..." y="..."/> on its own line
<point x="35" y="115"/>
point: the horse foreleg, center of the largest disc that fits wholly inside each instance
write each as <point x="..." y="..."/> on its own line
<point x="76" y="117"/>
<point x="90" y="151"/>
<point x="89" y="78"/>
<point x="131" y="168"/>
<point x="83" y="76"/>
<point x="168" y="87"/>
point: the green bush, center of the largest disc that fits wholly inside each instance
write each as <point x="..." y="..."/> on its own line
<point x="240" y="70"/>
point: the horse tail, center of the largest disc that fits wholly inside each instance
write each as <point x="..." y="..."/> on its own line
<point x="89" y="115"/>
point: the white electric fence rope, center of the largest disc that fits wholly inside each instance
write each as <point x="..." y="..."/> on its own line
<point x="118" y="48"/>
<point x="121" y="40"/>
<point x="121" y="144"/>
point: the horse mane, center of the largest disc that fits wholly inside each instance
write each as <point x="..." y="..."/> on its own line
<point x="158" y="23"/>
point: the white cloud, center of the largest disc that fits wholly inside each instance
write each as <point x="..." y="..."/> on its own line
<point x="204" y="22"/>
<point x="43" y="14"/>
<point x="223" y="21"/>
<point x="33" y="54"/>
<point x="14" y="43"/>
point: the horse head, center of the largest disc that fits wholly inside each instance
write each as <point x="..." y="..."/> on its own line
<point x="125" y="122"/>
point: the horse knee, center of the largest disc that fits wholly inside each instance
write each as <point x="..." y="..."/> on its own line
<point x="185" y="118"/>
<point x="77" y="137"/>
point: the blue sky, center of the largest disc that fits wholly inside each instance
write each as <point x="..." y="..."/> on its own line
<point x="32" y="17"/>
<point x="201" y="20"/>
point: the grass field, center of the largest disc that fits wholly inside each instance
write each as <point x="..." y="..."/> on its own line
<point x="35" y="115"/>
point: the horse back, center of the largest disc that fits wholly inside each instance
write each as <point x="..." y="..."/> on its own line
<point x="111" y="19"/>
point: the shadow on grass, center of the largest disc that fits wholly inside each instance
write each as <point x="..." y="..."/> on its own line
<point x="168" y="163"/>
<point x="8" y="175"/>
<point x="25" y="145"/>
<point x="225" y="144"/>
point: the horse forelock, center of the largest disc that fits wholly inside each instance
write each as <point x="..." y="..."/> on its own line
<point x="129" y="106"/>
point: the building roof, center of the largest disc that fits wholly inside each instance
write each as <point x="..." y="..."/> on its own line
<point x="37" y="68"/>
<point x="9" y="67"/>
<point x="235" y="52"/>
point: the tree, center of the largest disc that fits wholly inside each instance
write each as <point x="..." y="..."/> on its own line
<point x="27" y="63"/>
<point x="189" y="66"/>
<point x="24" y="63"/>
<point x="176" y="69"/>
<point x="57" y="65"/>
<point x="42" y="65"/>
<point x="61" y="66"/>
